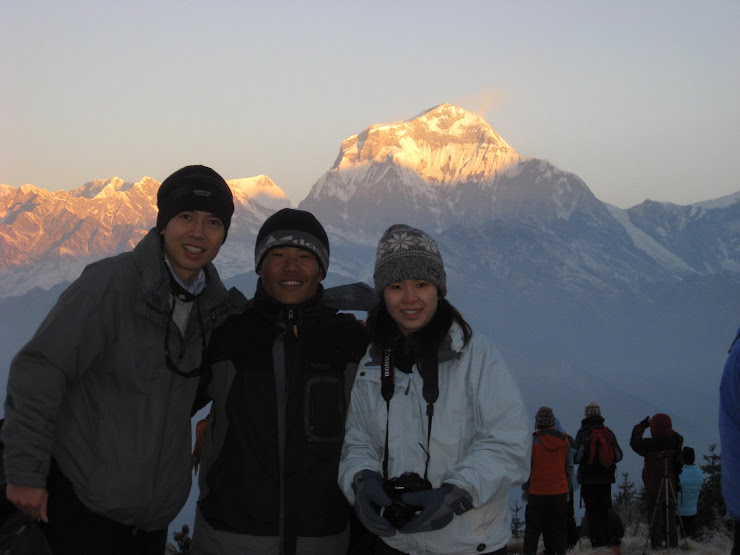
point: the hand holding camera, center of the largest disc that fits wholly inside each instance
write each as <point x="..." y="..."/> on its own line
<point x="400" y="512"/>
<point x="369" y="494"/>
<point x="438" y="507"/>
<point x="645" y="423"/>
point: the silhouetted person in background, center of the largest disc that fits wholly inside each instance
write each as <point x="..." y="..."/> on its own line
<point x="661" y="467"/>
<point x="573" y="535"/>
<point x="547" y="490"/>
<point x="691" y="480"/>
<point x="596" y="479"/>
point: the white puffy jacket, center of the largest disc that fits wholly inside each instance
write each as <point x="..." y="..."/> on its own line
<point x="480" y="440"/>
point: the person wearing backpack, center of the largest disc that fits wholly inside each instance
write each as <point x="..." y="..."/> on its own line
<point x="548" y="489"/>
<point x="597" y="452"/>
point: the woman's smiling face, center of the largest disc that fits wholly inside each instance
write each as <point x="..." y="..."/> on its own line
<point x="411" y="303"/>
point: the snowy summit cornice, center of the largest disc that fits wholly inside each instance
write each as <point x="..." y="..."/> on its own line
<point x="445" y="145"/>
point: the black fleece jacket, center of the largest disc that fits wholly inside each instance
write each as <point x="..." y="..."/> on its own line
<point x="282" y="376"/>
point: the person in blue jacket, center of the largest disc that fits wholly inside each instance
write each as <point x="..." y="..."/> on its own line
<point x="691" y="480"/>
<point x="729" y="436"/>
<point x="573" y="537"/>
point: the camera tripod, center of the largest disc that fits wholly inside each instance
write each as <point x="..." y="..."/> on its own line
<point x="667" y="502"/>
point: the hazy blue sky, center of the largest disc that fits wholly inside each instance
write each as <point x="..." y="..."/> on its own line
<point x="639" y="98"/>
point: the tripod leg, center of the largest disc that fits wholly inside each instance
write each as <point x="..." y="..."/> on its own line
<point x="674" y="500"/>
<point x="652" y="533"/>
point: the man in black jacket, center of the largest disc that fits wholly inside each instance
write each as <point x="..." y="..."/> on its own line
<point x="282" y="372"/>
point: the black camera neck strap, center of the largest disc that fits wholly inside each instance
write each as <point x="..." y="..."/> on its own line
<point x="429" y="370"/>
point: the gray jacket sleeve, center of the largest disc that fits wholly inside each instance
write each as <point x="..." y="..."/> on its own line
<point x="62" y="348"/>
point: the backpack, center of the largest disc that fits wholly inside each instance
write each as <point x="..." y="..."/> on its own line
<point x="601" y="449"/>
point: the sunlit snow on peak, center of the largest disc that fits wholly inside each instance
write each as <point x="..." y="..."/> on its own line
<point x="445" y="145"/>
<point x="259" y="188"/>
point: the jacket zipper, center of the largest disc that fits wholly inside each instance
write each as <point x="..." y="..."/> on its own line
<point x="292" y="323"/>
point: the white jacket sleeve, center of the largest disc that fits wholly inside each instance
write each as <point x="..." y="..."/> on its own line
<point x="498" y="457"/>
<point x="361" y="449"/>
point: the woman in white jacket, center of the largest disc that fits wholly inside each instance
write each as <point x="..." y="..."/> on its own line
<point x="432" y="399"/>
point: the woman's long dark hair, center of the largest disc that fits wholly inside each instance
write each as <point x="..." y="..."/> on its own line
<point x="384" y="331"/>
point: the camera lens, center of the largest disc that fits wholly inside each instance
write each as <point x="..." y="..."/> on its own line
<point x="399" y="513"/>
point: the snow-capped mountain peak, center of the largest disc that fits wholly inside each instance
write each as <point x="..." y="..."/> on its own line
<point x="443" y="167"/>
<point x="47" y="237"/>
<point x="444" y="145"/>
<point x="102" y="188"/>
<point x="259" y="189"/>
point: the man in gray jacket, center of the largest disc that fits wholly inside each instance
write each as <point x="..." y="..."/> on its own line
<point x="97" y="416"/>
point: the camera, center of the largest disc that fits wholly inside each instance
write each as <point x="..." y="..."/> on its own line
<point x="399" y="512"/>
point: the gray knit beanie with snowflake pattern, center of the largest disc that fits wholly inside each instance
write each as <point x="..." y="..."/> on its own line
<point x="408" y="253"/>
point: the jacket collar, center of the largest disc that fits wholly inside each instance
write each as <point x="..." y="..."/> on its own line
<point x="594" y="421"/>
<point x="278" y="312"/>
<point x="449" y="349"/>
<point x="155" y="278"/>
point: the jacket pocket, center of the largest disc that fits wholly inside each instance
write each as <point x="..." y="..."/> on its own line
<point x="324" y="410"/>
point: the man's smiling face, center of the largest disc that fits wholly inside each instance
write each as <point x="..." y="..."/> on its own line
<point x="290" y="275"/>
<point x="192" y="239"/>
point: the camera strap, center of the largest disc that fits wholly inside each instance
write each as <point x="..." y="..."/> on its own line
<point x="429" y="370"/>
<point x="387" y="381"/>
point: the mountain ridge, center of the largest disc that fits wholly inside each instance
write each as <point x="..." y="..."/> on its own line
<point x="402" y="171"/>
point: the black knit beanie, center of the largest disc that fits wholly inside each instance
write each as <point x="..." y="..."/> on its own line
<point x="194" y="188"/>
<point x="292" y="228"/>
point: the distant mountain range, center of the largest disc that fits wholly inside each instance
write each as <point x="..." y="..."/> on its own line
<point x="633" y="308"/>
<point x="442" y="170"/>
<point x="48" y="237"/>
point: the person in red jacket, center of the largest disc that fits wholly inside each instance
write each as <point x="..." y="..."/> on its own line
<point x="662" y="453"/>
<point x="547" y="489"/>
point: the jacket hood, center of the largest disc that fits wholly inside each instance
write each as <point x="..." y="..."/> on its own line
<point x="551" y="439"/>
<point x="594" y="420"/>
<point x="661" y="425"/>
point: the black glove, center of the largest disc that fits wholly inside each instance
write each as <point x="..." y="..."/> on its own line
<point x="645" y="423"/>
<point x="438" y="506"/>
<point x="368" y="488"/>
